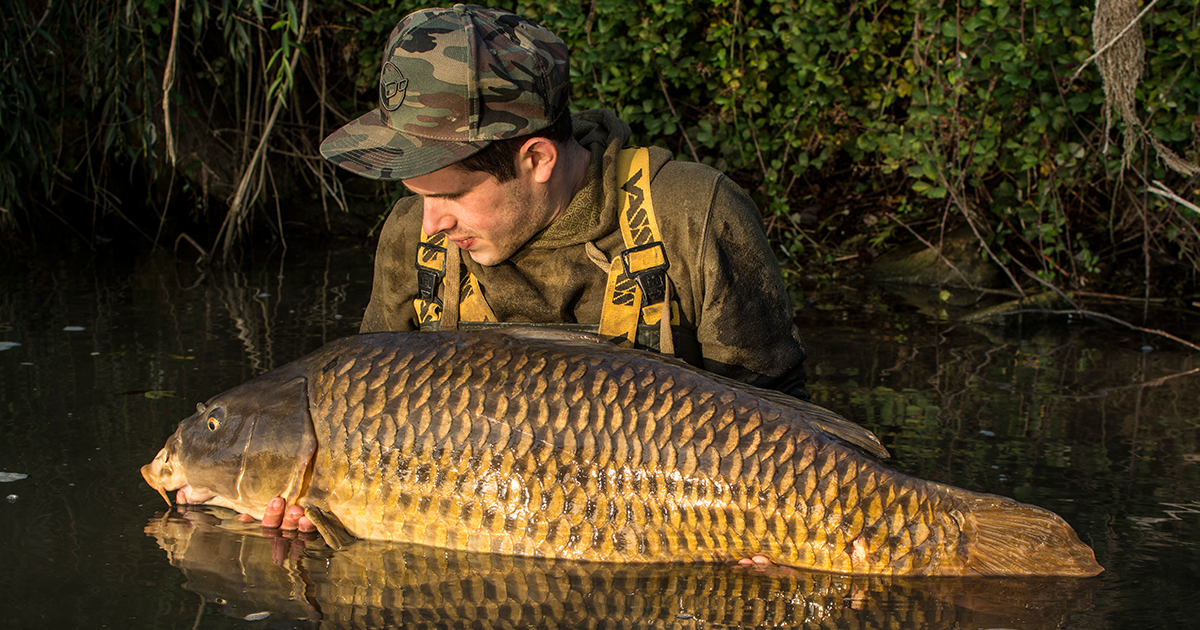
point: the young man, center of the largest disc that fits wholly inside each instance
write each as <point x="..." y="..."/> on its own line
<point x="523" y="215"/>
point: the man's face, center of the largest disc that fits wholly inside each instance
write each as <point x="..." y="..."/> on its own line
<point x="488" y="220"/>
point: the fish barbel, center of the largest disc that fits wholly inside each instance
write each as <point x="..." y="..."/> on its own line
<point x="552" y="445"/>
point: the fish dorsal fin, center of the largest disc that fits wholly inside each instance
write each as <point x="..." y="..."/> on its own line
<point x="554" y="335"/>
<point x="825" y="420"/>
<point x="831" y="423"/>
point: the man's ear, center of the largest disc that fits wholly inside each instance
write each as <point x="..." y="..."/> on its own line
<point x="538" y="157"/>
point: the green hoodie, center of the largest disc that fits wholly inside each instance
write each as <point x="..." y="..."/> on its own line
<point x="735" y="315"/>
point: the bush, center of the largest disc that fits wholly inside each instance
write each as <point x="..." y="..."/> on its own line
<point x="915" y="111"/>
<point x="967" y="108"/>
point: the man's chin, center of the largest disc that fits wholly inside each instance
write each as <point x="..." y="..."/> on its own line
<point x="485" y="257"/>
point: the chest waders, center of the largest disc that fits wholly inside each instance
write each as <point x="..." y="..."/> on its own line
<point x="639" y="304"/>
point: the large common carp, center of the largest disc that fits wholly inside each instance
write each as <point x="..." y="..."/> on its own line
<point x="552" y="445"/>
<point x="397" y="585"/>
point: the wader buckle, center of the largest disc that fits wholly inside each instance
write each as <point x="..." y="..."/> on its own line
<point x="648" y="264"/>
<point x="431" y="268"/>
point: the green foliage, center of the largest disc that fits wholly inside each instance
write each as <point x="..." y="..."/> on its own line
<point x="28" y="135"/>
<point x="81" y="90"/>
<point x="965" y="109"/>
<point x="968" y="103"/>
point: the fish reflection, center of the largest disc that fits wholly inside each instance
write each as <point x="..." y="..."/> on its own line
<point x="390" y="585"/>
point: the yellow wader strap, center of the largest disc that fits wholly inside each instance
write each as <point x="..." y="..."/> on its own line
<point x="431" y="263"/>
<point x="637" y="279"/>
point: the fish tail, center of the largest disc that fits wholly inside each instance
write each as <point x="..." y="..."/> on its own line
<point x="1004" y="537"/>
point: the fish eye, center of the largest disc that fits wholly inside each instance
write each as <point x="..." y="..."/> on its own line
<point x="215" y="416"/>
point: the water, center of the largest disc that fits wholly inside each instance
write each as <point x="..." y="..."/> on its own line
<point x="1080" y="419"/>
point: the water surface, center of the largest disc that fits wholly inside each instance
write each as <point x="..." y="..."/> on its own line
<point x="101" y="358"/>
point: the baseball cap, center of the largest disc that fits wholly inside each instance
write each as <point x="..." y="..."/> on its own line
<point x="453" y="81"/>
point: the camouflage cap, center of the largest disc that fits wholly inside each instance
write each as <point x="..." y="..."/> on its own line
<point x="453" y="80"/>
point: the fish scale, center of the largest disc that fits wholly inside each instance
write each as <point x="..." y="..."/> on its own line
<point x="547" y="445"/>
<point x="691" y="540"/>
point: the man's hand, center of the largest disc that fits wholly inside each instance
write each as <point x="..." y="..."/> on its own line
<point x="275" y="517"/>
<point x="764" y="566"/>
<point x="289" y="530"/>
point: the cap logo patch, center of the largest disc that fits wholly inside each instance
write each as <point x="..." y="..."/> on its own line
<point x="392" y="87"/>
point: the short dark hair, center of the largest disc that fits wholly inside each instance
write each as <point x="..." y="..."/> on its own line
<point x="499" y="159"/>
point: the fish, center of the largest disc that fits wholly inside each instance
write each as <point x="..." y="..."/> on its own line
<point x="370" y="584"/>
<point x="549" y="444"/>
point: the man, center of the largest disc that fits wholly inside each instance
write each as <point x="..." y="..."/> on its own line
<point x="525" y="216"/>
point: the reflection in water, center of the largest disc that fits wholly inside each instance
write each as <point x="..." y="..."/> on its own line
<point x="1081" y="420"/>
<point x="252" y="305"/>
<point x="112" y="353"/>
<point x="374" y="585"/>
<point x="1097" y="424"/>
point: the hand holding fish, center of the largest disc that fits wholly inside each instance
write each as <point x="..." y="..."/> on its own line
<point x="762" y="565"/>
<point x="288" y="529"/>
<point x="275" y="517"/>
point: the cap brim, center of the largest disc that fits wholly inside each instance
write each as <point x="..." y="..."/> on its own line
<point x="368" y="147"/>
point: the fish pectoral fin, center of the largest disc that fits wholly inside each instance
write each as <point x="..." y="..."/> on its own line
<point x="330" y="528"/>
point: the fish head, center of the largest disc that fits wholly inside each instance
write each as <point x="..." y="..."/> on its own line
<point x="241" y="448"/>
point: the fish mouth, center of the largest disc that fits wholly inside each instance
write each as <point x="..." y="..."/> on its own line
<point x="150" y="475"/>
<point x="187" y="495"/>
<point x="163" y="474"/>
<point x="184" y="495"/>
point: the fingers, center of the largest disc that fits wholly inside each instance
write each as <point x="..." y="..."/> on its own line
<point x="273" y="516"/>
<point x="279" y="515"/>
<point x="288" y="540"/>
<point x="762" y="565"/>
<point x="294" y="518"/>
<point x="758" y="562"/>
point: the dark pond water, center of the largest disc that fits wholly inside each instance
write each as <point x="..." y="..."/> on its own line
<point x="99" y="360"/>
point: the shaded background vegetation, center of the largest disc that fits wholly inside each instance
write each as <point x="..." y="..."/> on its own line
<point x="856" y="125"/>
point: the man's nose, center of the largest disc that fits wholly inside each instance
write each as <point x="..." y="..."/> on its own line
<point x="436" y="217"/>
